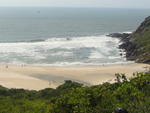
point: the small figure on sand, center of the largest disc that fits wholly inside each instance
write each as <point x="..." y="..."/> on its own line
<point x="6" y="67"/>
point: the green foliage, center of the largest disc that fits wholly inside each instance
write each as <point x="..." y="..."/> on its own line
<point x="69" y="84"/>
<point x="121" y="78"/>
<point x="72" y="97"/>
<point x="141" y="38"/>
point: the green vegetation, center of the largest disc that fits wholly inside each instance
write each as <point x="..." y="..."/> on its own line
<point x="141" y="39"/>
<point x="72" y="97"/>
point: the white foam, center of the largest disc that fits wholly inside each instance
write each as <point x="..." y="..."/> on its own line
<point x="96" y="55"/>
<point x="62" y="53"/>
<point x="81" y="63"/>
<point x="99" y="46"/>
<point x="128" y="32"/>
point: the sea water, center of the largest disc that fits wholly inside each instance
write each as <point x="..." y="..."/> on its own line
<point x="64" y="36"/>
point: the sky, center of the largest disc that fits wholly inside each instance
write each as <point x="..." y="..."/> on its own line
<point x="79" y="3"/>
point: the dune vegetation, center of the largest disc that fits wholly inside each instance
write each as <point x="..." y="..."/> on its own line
<point x="71" y="97"/>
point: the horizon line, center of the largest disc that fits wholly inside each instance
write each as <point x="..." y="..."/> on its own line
<point x="74" y="7"/>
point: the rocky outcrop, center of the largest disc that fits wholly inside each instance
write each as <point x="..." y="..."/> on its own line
<point x="145" y="24"/>
<point x="119" y="35"/>
<point x="127" y="45"/>
<point x="137" y="44"/>
<point x="140" y="39"/>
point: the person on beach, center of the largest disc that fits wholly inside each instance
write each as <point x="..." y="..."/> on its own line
<point x="6" y="66"/>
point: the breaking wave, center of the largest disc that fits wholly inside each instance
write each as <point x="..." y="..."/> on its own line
<point x="92" y="50"/>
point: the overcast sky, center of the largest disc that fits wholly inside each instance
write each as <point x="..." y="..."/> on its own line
<point x="79" y="3"/>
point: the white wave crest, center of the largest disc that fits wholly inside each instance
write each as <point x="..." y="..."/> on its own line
<point x="77" y="49"/>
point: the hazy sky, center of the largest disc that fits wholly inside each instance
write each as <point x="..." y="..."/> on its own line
<point x="79" y="3"/>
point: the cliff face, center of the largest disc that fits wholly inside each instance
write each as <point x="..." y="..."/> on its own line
<point x="137" y="45"/>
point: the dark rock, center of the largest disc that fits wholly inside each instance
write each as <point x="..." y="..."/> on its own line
<point x="121" y="54"/>
<point x="143" y="60"/>
<point x="119" y="35"/>
<point x="126" y="45"/>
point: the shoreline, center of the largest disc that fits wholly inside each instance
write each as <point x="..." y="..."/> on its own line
<point x="72" y="65"/>
<point x="40" y="77"/>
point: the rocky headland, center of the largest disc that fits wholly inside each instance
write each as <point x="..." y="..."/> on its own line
<point x="136" y="44"/>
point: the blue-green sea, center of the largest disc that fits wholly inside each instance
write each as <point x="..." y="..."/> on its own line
<point x="64" y="36"/>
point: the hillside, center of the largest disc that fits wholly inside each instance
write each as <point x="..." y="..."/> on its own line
<point x="137" y="45"/>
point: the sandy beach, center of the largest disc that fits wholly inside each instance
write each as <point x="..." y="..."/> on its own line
<point x="40" y="77"/>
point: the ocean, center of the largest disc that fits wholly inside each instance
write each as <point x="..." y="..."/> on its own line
<point x="64" y="36"/>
